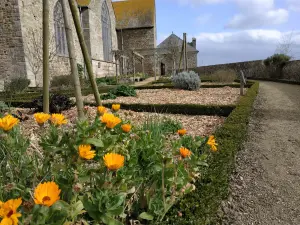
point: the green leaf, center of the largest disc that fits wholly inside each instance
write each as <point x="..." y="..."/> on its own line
<point x="146" y="216"/>
<point x="96" y="142"/>
<point x="109" y="220"/>
<point x="116" y="211"/>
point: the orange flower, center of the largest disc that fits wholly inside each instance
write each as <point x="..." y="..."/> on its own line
<point x="126" y="128"/>
<point x="181" y="132"/>
<point x="184" y="152"/>
<point x="58" y="119"/>
<point x="85" y="152"/>
<point x="113" y="161"/>
<point x="101" y="110"/>
<point x="115" y="107"/>
<point x="212" y="143"/>
<point x="41" y="118"/>
<point x="110" y="120"/>
<point x="46" y="193"/>
<point x="8" y="211"/>
<point x="8" y="122"/>
<point x="106" y="117"/>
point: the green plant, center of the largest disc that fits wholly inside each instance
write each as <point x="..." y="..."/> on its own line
<point x="187" y="81"/>
<point x="168" y="125"/>
<point x="122" y="90"/>
<point x="277" y="60"/>
<point x="16" y="85"/>
<point x="107" y="80"/>
<point x="80" y="70"/>
<point x="57" y="103"/>
<point x="225" y="76"/>
<point x="3" y="106"/>
<point x="62" y="81"/>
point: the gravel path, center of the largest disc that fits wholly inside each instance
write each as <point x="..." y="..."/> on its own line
<point x="265" y="187"/>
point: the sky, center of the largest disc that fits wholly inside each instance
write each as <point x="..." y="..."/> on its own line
<point x="232" y="30"/>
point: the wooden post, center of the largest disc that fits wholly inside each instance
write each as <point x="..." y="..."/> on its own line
<point x="46" y="38"/>
<point x="133" y="61"/>
<point x="143" y="66"/>
<point x="155" y="65"/>
<point x="84" y="50"/>
<point x="242" y="82"/>
<point x="185" y="52"/>
<point x="73" y="62"/>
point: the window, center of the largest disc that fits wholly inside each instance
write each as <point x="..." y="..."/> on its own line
<point x="106" y="33"/>
<point x="60" y="33"/>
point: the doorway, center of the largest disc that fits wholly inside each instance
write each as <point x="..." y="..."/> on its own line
<point x="162" y="69"/>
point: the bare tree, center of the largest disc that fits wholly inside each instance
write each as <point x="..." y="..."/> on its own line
<point x="285" y="45"/>
<point x="173" y="50"/>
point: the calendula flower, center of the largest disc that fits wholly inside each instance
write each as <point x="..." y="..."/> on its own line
<point x="106" y="117"/>
<point x="46" y="193"/>
<point x="115" y="107"/>
<point x="85" y="152"/>
<point x="113" y="122"/>
<point x="8" y="211"/>
<point x="126" y="127"/>
<point x="8" y="122"/>
<point x="212" y="143"/>
<point x="184" y="152"/>
<point x="101" y="110"/>
<point x="113" y="161"/>
<point x="41" y="118"/>
<point x="58" y="119"/>
<point x="181" y="132"/>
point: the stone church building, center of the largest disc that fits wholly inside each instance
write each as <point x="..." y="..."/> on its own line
<point x="127" y="26"/>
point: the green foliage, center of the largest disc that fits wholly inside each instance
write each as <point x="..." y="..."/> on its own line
<point x="107" y="80"/>
<point x="122" y="90"/>
<point x="170" y="126"/>
<point x="187" y="81"/>
<point x="277" y="60"/>
<point x="80" y="70"/>
<point x="57" y="103"/>
<point x="62" y="81"/>
<point x="201" y="207"/>
<point x="17" y="85"/>
<point x="3" y="106"/>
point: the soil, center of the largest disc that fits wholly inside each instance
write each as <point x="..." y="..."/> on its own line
<point x="265" y="188"/>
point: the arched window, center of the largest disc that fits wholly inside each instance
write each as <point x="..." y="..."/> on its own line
<point x="106" y="33"/>
<point x="60" y="33"/>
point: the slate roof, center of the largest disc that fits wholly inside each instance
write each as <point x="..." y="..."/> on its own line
<point x="174" y="40"/>
<point x="134" y="13"/>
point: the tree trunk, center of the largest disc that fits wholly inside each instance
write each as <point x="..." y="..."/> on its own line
<point x="84" y="50"/>
<point x="46" y="37"/>
<point x="73" y="62"/>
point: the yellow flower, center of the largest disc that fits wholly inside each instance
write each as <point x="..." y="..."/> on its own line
<point x="181" y="132"/>
<point x="116" y="107"/>
<point x="101" y="110"/>
<point x="58" y="119"/>
<point x="113" y="161"/>
<point x="46" y="193"/>
<point x="212" y="143"/>
<point x="8" y="122"/>
<point x="110" y="120"/>
<point x="106" y="117"/>
<point x="126" y="127"/>
<point x="41" y="118"/>
<point x="8" y="211"/>
<point x="85" y="152"/>
<point x="184" y="152"/>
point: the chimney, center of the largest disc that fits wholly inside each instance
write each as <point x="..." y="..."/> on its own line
<point x="194" y="43"/>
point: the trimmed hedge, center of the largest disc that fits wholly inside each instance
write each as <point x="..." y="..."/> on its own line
<point x="277" y="80"/>
<point x="201" y="206"/>
<point x="187" y="109"/>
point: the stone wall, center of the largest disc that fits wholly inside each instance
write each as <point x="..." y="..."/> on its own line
<point x="12" y="62"/>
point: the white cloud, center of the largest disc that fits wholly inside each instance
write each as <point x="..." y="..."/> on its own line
<point x="255" y="44"/>
<point x="256" y="14"/>
<point x="294" y="5"/>
<point x="203" y="19"/>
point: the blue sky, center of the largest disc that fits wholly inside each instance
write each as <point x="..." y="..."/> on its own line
<point x="232" y="30"/>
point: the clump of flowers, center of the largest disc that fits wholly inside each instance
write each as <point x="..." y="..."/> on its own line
<point x="126" y="128"/>
<point x="184" y="152"/>
<point x="58" y="119"/>
<point x="181" y="132"/>
<point x="8" y="211"/>
<point x="41" y="118"/>
<point x="113" y="161"/>
<point x="46" y="193"/>
<point x="212" y="143"/>
<point x="101" y="110"/>
<point x="110" y="120"/>
<point x="8" y="122"/>
<point x="115" y="107"/>
<point x="85" y="152"/>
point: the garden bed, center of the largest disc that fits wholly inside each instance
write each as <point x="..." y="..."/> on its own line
<point x="204" y="96"/>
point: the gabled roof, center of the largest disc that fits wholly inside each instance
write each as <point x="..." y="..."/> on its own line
<point x="174" y="40"/>
<point x="134" y="13"/>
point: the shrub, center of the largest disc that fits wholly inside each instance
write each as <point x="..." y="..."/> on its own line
<point x="223" y="76"/>
<point x="122" y="90"/>
<point x="57" y="103"/>
<point x="187" y="81"/>
<point x="62" y="81"/>
<point x="16" y="85"/>
<point x="107" y="80"/>
<point x="277" y="60"/>
<point x="3" y="106"/>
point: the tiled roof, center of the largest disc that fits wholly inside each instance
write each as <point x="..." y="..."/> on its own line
<point x="174" y="40"/>
<point x="134" y="13"/>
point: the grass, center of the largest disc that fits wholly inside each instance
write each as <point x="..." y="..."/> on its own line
<point x="201" y="206"/>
